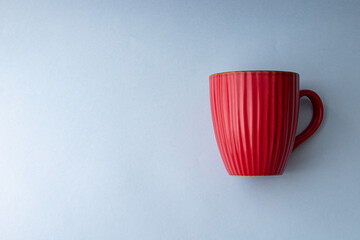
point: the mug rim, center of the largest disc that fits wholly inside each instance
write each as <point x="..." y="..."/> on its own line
<point x="255" y="71"/>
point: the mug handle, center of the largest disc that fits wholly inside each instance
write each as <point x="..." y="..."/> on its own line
<point x="318" y="112"/>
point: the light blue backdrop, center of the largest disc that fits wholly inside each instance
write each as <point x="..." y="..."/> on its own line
<point x="106" y="132"/>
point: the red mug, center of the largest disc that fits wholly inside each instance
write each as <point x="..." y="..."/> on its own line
<point x="255" y="116"/>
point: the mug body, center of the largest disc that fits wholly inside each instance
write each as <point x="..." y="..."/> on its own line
<point x="255" y="115"/>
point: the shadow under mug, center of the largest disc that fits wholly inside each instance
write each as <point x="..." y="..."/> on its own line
<point x="255" y="116"/>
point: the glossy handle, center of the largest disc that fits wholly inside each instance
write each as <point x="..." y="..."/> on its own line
<point x="318" y="112"/>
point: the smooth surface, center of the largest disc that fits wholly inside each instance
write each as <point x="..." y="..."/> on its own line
<point x="106" y="132"/>
<point x="255" y="117"/>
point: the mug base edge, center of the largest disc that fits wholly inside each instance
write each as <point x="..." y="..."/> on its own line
<point x="255" y="175"/>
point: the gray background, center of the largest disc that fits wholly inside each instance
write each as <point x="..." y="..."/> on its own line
<point x="106" y="132"/>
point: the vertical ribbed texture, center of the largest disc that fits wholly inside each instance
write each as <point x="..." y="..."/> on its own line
<point x="255" y="118"/>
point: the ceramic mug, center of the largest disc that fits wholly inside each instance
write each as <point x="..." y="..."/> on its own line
<point x="255" y="116"/>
